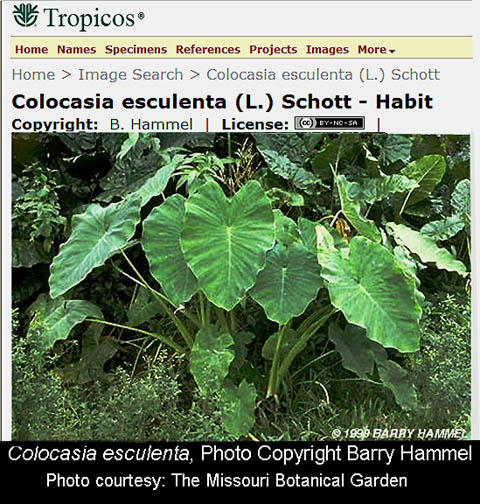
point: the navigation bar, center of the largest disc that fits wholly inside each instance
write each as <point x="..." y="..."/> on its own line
<point x="242" y="47"/>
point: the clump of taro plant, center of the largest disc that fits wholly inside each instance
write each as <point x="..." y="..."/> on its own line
<point x="209" y="252"/>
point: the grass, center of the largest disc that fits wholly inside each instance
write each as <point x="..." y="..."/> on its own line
<point x="157" y="402"/>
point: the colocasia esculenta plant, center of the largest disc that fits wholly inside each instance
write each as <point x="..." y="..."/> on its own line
<point x="210" y="252"/>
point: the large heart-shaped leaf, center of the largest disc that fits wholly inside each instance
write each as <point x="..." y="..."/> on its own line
<point x="97" y="235"/>
<point x="224" y="241"/>
<point x="161" y="243"/>
<point x="371" y="289"/>
<point x="425" y="248"/>
<point x="288" y="283"/>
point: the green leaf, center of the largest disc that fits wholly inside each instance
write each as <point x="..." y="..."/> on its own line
<point x="242" y="340"/>
<point x="79" y="142"/>
<point x="356" y="349"/>
<point x="396" y="379"/>
<point x="128" y="143"/>
<point x="94" y="356"/>
<point x="378" y="188"/>
<point x="286" y="231"/>
<point x="361" y="355"/>
<point x="144" y="170"/>
<point x="428" y="144"/>
<point x="155" y="185"/>
<point x="210" y="359"/>
<point x="292" y="145"/>
<point x="448" y="227"/>
<point x="326" y="239"/>
<point x="443" y="229"/>
<point x="425" y="248"/>
<point x="460" y="199"/>
<point x="308" y="234"/>
<point x="97" y="235"/>
<point x="329" y="240"/>
<point x="427" y="172"/>
<point x="54" y="319"/>
<point x="225" y="241"/>
<point x="410" y="268"/>
<point x="352" y="210"/>
<point x="161" y="243"/>
<point x="238" y="412"/>
<point x="269" y="347"/>
<point x="370" y="288"/>
<point x="281" y="197"/>
<point x="285" y="168"/>
<point x="143" y="308"/>
<point x="26" y="254"/>
<point x="344" y="147"/>
<point x="288" y="283"/>
<point x="393" y="148"/>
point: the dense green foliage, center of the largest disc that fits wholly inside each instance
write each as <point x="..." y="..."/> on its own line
<point x="213" y="272"/>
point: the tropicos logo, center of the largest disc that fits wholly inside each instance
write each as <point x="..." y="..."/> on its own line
<point x="26" y="14"/>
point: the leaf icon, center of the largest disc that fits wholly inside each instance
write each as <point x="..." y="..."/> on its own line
<point x="25" y="14"/>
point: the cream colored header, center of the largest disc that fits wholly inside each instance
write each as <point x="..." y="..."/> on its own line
<point x="241" y="47"/>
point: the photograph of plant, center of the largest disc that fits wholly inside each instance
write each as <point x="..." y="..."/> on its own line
<point x="212" y="287"/>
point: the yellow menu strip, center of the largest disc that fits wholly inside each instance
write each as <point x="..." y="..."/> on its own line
<point x="242" y="47"/>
